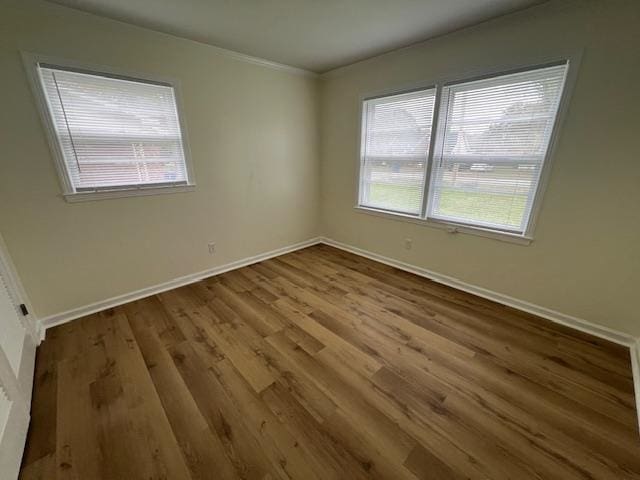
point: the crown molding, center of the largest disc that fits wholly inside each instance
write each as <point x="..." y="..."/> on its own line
<point x="242" y="57"/>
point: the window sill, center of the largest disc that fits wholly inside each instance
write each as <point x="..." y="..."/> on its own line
<point x="452" y="228"/>
<point x="129" y="192"/>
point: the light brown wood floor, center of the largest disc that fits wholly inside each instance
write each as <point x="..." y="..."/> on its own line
<point x="324" y="365"/>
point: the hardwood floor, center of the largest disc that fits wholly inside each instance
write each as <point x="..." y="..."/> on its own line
<point x="324" y="365"/>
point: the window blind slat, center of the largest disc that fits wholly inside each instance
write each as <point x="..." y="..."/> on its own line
<point x="114" y="132"/>
<point x="492" y="141"/>
<point x="397" y="132"/>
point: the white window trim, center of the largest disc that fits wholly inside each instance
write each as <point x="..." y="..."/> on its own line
<point x="526" y="238"/>
<point x="31" y="62"/>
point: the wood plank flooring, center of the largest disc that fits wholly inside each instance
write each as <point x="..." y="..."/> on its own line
<point x="320" y="364"/>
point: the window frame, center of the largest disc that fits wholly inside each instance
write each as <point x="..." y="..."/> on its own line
<point x="572" y="59"/>
<point x="363" y="136"/>
<point x="32" y="61"/>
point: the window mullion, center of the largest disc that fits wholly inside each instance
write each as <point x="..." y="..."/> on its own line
<point x="433" y="146"/>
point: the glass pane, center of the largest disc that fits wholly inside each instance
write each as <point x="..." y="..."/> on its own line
<point x="489" y="195"/>
<point x="115" y="132"/>
<point x="394" y="151"/>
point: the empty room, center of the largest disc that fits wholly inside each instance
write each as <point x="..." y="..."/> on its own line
<point x="319" y="240"/>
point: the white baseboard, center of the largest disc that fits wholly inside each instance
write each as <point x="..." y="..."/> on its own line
<point x="63" y="317"/>
<point x="620" y="338"/>
<point x="635" y="365"/>
<point x="557" y="317"/>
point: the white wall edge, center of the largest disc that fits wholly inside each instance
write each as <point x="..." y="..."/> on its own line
<point x="67" y="316"/>
<point x="635" y="366"/>
<point x="10" y="274"/>
<point x="557" y="317"/>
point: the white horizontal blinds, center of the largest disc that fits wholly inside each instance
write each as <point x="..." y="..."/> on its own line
<point x="395" y="144"/>
<point x="492" y="141"/>
<point x="113" y="132"/>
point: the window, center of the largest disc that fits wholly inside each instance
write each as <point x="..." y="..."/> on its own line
<point x="397" y="133"/>
<point x="489" y="149"/>
<point x="113" y="133"/>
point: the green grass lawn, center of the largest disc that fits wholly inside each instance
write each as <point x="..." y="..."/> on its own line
<point x="484" y="207"/>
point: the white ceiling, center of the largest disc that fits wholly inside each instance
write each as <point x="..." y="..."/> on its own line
<point x="316" y="35"/>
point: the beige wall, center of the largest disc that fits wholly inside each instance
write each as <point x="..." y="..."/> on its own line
<point x="253" y="137"/>
<point x="585" y="260"/>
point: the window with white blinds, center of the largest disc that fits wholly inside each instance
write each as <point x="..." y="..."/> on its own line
<point x="489" y="148"/>
<point x="396" y="137"/>
<point x="114" y="133"/>
<point x="494" y="139"/>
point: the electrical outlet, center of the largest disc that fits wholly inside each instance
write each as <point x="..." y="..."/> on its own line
<point x="212" y="248"/>
<point x="408" y="243"/>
